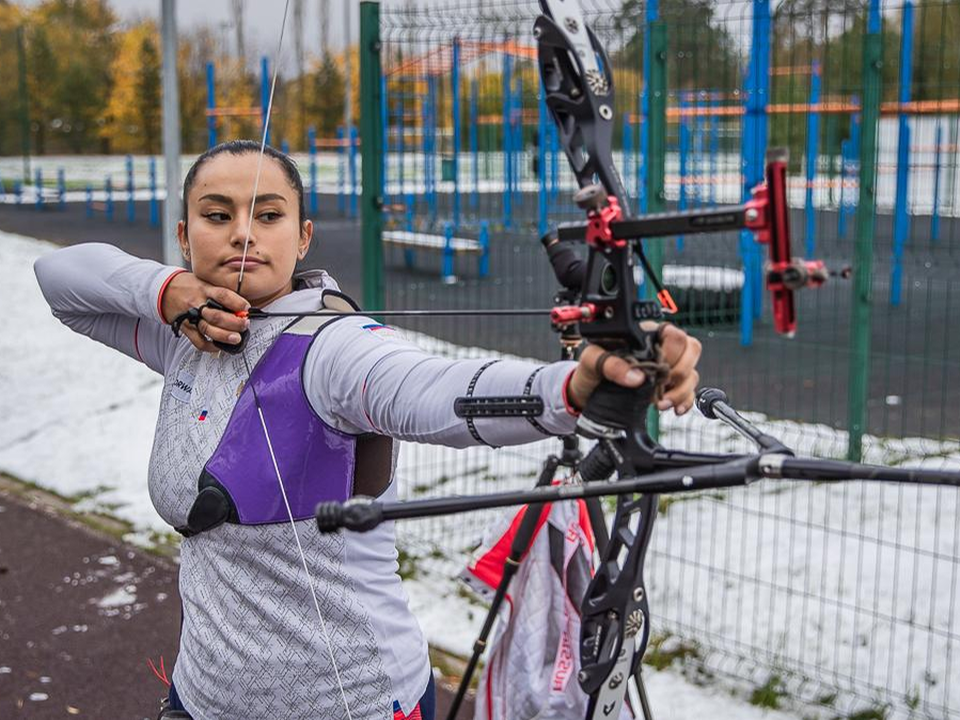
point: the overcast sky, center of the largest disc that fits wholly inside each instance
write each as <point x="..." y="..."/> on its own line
<point x="261" y="20"/>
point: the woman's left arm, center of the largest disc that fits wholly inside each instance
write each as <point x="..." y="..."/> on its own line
<point x="362" y="377"/>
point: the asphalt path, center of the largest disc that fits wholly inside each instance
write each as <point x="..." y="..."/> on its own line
<point x="80" y="616"/>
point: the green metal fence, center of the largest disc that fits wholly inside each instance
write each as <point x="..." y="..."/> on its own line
<point x="846" y="597"/>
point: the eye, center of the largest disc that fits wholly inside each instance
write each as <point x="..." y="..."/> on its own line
<point x="270" y="215"/>
<point x="216" y="216"/>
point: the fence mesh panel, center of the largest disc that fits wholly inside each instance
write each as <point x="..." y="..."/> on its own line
<point x="845" y="595"/>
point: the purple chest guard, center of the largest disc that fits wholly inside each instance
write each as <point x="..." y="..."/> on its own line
<point x="317" y="463"/>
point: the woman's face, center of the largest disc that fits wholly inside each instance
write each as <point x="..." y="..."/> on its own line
<point x="218" y="214"/>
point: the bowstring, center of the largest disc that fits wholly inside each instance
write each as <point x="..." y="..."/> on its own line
<point x="263" y="422"/>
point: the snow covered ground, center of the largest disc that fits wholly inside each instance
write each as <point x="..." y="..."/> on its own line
<point x="849" y="583"/>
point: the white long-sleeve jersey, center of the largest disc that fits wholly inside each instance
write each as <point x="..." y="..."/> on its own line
<point x="251" y="644"/>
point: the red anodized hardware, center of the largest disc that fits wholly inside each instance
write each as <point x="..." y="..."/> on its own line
<point x="573" y="313"/>
<point x="599" y="232"/>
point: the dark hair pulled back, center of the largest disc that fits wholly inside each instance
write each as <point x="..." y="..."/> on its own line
<point x="242" y="147"/>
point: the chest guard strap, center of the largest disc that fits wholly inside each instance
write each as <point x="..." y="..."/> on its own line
<point x="317" y="462"/>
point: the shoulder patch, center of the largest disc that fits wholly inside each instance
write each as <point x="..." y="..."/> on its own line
<point x="183" y="386"/>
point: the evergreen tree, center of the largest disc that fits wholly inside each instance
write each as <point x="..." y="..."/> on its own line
<point x="329" y="94"/>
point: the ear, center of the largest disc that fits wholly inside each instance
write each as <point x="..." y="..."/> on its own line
<point x="306" y="236"/>
<point x="183" y="241"/>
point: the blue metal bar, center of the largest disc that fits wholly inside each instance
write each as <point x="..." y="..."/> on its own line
<point x="430" y="157"/>
<point x="542" y="118"/>
<point x="154" y="200"/>
<point x="842" y="206"/>
<point x="643" y="111"/>
<point x="38" y="181"/>
<point x="901" y="222"/>
<point x="507" y="140"/>
<point x="629" y="158"/>
<point x="554" y="161"/>
<point x="211" y="105"/>
<point x="935" y="220"/>
<point x="474" y="144"/>
<point x="354" y="190"/>
<point x="455" y="100"/>
<point x="385" y="140"/>
<point x="754" y="146"/>
<point x="683" y="140"/>
<point x="447" y="275"/>
<point x="484" y="249"/>
<point x="341" y="173"/>
<point x="265" y="96"/>
<point x="714" y="152"/>
<point x="653" y="14"/>
<point x="131" y="208"/>
<point x="312" y="149"/>
<point x="62" y="188"/>
<point x="813" y="154"/>
<point x="109" y="189"/>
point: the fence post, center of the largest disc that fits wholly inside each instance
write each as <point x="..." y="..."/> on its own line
<point x="474" y="145"/>
<point x="312" y="149"/>
<point x="542" y="118"/>
<point x="655" y="147"/>
<point x="38" y="200"/>
<point x="507" y="140"/>
<point x="937" y="162"/>
<point x="341" y="173"/>
<point x="753" y="151"/>
<point x="371" y="138"/>
<point x="62" y="187"/>
<point x="211" y="105"/>
<point x="683" y="141"/>
<point x="154" y="203"/>
<point x="265" y="97"/>
<point x="455" y="102"/>
<point x="813" y="153"/>
<point x="352" y="135"/>
<point x="447" y="274"/>
<point x="860" y="324"/>
<point x="131" y="208"/>
<point x="109" y="205"/>
<point x="901" y="222"/>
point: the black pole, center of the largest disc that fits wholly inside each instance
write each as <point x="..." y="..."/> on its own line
<point x="24" y="104"/>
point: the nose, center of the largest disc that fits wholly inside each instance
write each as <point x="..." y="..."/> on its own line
<point x="241" y="228"/>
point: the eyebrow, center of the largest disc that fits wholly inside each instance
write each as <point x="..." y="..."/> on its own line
<point x="265" y="197"/>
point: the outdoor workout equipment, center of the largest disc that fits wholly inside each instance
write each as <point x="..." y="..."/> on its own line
<point x="213" y="111"/>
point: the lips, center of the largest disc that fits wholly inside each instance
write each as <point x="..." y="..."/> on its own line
<point x="237" y="262"/>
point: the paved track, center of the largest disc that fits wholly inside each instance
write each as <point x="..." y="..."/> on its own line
<point x="80" y="614"/>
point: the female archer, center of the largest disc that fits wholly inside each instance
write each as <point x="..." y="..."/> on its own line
<point x="280" y="621"/>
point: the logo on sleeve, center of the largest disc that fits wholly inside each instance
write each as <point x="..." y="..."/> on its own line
<point x="183" y="386"/>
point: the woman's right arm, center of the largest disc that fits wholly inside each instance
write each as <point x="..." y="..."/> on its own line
<point x="102" y="292"/>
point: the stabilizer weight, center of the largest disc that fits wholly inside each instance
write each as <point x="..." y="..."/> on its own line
<point x="359" y="514"/>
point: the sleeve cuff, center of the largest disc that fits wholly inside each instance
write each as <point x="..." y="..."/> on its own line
<point x="566" y="398"/>
<point x="163" y="287"/>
